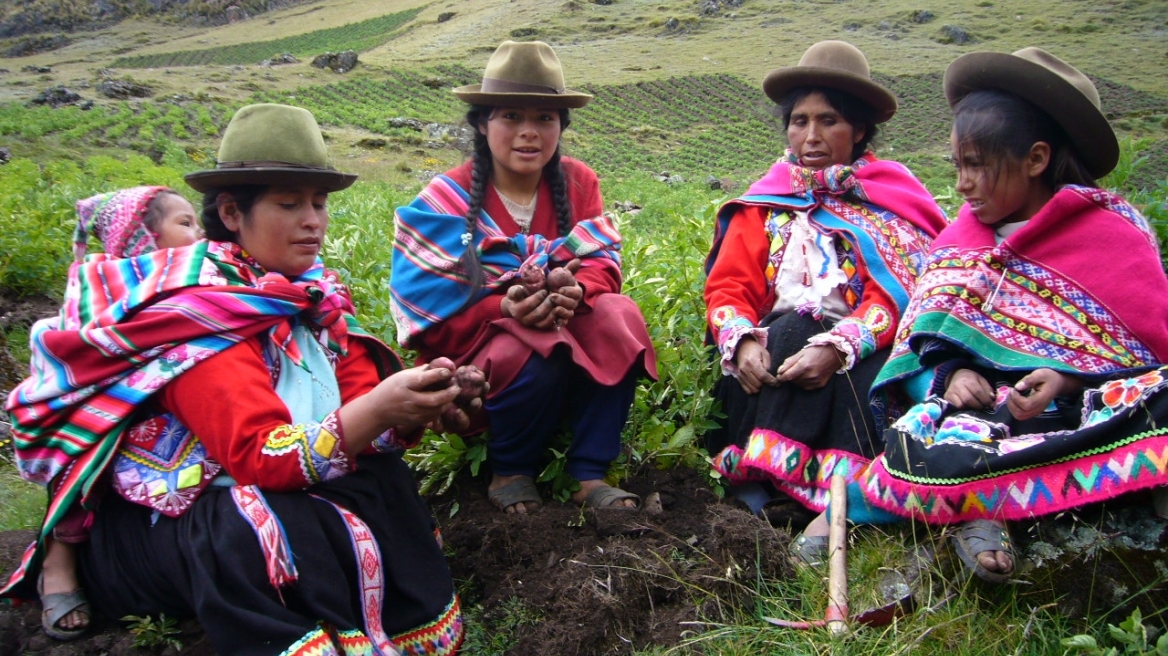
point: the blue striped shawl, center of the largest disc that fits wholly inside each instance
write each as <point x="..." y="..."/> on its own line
<point x="429" y="283"/>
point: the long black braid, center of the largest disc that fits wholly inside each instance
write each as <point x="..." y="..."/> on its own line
<point x="480" y="176"/>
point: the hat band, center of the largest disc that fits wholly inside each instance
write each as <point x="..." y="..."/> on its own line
<point x="262" y="164"/>
<point x="494" y="85"/>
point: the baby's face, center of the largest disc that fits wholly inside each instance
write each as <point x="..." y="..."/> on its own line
<point x="177" y="226"/>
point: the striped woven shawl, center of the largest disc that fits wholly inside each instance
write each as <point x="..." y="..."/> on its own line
<point x="429" y="284"/>
<point x="130" y="326"/>
<point x="878" y="206"/>
<point x="1079" y="289"/>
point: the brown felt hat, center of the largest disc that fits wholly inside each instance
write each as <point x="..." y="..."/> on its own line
<point x="523" y="74"/>
<point x="1052" y="85"/>
<point x="270" y="144"/>
<point x="835" y="65"/>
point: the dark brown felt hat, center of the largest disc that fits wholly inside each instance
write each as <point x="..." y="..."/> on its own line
<point x="1052" y="85"/>
<point x="523" y="74"/>
<point x="269" y="144"/>
<point x="835" y="65"/>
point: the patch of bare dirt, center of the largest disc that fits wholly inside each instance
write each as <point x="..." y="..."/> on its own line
<point x="591" y="582"/>
<point x="608" y="581"/>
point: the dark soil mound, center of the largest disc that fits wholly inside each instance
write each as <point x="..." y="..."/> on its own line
<point x="558" y="581"/>
<point x="606" y="581"/>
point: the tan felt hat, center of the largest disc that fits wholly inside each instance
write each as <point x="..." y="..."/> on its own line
<point x="1052" y="85"/>
<point x="523" y="74"/>
<point x="835" y="65"/>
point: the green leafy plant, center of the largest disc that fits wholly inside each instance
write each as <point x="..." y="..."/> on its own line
<point x="497" y="631"/>
<point x="151" y="633"/>
<point x="1131" y="636"/>
<point x="556" y="474"/>
<point x="441" y="457"/>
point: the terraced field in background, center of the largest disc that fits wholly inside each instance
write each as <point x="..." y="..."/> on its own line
<point x="709" y="125"/>
<point x="676" y="85"/>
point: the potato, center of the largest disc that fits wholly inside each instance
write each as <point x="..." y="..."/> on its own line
<point x="559" y="278"/>
<point x="472" y="384"/>
<point x="532" y="277"/>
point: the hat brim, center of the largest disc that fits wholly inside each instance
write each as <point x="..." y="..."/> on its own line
<point x="1084" y="123"/>
<point x="473" y="94"/>
<point x="781" y="80"/>
<point x="269" y="176"/>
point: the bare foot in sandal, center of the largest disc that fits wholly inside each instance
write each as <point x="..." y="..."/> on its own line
<point x="985" y="547"/>
<point x="996" y="561"/>
<point x="598" y="494"/>
<point x="66" y="612"/>
<point x="514" y="494"/>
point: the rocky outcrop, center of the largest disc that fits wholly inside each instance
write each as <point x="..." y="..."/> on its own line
<point x="715" y="7"/>
<point x="57" y="96"/>
<point x="234" y="14"/>
<point x="280" y="60"/>
<point x="338" y="62"/>
<point x="952" y="34"/>
<point x="33" y="44"/>
<point x="67" y="16"/>
<point x="123" y="89"/>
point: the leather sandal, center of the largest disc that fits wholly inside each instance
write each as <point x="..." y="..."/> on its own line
<point x="974" y="537"/>
<point x="59" y="604"/>
<point x="607" y="496"/>
<point x="521" y="490"/>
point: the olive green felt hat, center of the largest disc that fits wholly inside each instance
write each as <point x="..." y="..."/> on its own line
<point x="523" y="74"/>
<point x="271" y="145"/>
<point x="1050" y="84"/>
<point x="835" y="65"/>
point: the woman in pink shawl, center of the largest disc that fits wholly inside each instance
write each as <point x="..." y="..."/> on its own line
<point x="808" y="275"/>
<point x="1041" y="317"/>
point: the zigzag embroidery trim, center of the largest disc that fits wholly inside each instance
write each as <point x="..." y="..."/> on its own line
<point x="316" y="642"/>
<point x="443" y="637"/>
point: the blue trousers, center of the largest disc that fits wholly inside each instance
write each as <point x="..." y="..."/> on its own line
<point x="525" y="416"/>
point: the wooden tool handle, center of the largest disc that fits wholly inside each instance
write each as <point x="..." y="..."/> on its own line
<point x="837" y="580"/>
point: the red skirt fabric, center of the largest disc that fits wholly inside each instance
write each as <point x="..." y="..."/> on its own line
<point x="607" y="343"/>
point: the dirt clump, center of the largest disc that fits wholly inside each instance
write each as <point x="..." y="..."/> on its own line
<point x="607" y="581"/>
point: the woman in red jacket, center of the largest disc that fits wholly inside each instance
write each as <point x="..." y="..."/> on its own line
<point x="808" y="275"/>
<point x="507" y="263"/>
<point x="250" y="430"/>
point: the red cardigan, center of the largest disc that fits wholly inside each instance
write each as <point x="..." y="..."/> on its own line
<point x="738" y="280"/>
<point x="228" y="401"/>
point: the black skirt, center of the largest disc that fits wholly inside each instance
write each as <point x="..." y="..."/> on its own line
<point x="793" y="438"/>
<point x="207" y="563"/>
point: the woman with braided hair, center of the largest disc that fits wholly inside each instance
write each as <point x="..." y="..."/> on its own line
<point x="507" y="263"/>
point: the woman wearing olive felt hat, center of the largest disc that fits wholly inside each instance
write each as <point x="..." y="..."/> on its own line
<point x="259" y="486"/>
<point x="1041" y="317"/>
<point x="270" y="144"/>
<point x="805" y="288"/>
<point x="570" y="350"/>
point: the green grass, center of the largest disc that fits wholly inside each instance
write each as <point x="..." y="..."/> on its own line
<point x="22" y="504"/>
<point x="359" y="36"/>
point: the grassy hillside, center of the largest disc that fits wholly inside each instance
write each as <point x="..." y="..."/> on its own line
<point x="648" y="62"/>
<point x="677" y="89"/>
